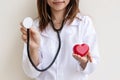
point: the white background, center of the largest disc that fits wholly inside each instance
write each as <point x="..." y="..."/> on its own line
<point x="106" y="18"/>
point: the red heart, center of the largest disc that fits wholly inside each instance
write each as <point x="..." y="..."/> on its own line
<point x="81" y="49"/>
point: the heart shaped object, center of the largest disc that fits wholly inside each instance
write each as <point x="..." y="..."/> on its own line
<point x="81" y="49"/>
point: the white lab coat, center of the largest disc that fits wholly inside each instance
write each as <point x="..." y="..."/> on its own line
<point x="81" y="30"/>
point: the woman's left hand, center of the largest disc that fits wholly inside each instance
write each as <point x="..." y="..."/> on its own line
<point x="83" y="60"/>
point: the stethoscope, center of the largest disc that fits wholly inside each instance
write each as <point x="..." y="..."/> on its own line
<point x="79" y="49"/>
<point x="28" y="22"/>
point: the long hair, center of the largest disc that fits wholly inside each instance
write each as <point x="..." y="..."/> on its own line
<point x="44" y="12"/>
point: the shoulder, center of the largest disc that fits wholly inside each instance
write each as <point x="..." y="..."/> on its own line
<point x="81" y="19"/>
<point x="85" y="22"/>
<point x="84" y="18"/>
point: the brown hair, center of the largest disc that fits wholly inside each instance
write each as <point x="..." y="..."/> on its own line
<point x="44" y="11"/>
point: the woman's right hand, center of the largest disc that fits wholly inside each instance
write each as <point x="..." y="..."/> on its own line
<point x="34" y="37"/>
<point x="34" y="42"/>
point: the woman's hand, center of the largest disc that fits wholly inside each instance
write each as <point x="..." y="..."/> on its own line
<point x="83" y="60"/>
<point x="34" y="42"/>
<point x="34" y="37"/>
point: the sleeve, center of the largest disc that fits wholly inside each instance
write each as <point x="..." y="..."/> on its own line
<point x="90" y="38"/>
<point x="29" y="70"/>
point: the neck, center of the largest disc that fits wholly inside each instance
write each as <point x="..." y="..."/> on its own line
<point x="58" y="16"/>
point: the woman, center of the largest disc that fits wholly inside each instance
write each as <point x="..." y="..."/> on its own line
<point x="62" y="18"/>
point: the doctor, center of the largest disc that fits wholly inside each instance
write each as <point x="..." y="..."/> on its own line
<point x="73" y="28"/>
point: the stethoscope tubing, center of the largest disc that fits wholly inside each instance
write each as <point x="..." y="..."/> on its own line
<point x="59" y="46"/>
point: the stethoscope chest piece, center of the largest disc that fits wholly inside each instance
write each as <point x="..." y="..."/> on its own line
<point x="28" y="22"/>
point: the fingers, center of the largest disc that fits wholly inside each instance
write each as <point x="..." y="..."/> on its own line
<point x="24" y="38"/>
<point x="23" y="29"/>
<point x="89" y="57"/>
<point x="24" y="32"/>
<point x="20" y="25"/>
<point x="80" y="59"/>
<point x="76" y="56"/>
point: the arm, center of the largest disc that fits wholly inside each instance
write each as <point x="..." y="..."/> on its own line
<point x="89" y="37"/>
<point x="27" y="66"/>
<point x="35" y="54"/>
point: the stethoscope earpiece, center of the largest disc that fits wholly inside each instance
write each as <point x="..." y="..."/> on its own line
<point x="28" y="22"/>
